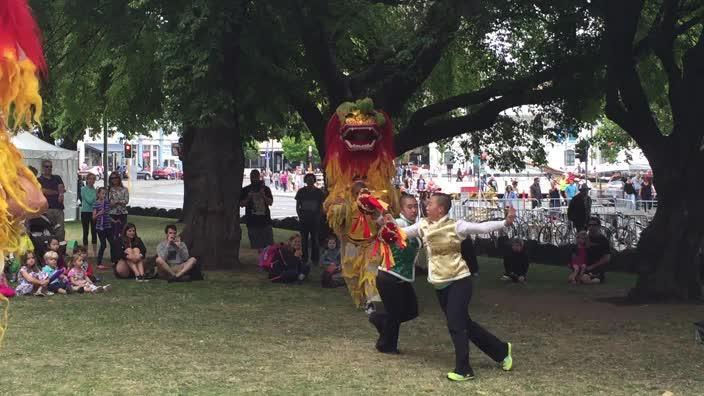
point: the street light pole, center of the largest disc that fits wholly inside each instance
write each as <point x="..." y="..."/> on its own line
<point x="105" y="148"/>
<point x="310" y="158"/>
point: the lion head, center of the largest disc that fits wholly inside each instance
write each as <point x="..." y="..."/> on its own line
<point x="359" y="146"/>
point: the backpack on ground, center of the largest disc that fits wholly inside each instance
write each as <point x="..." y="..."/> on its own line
<point x="269" y="256"/>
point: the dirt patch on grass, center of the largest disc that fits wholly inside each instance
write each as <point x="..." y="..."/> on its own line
<point x="597" y="303"/>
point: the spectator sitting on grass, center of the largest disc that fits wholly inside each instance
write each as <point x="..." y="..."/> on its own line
<point x="31" y="280"/>
<point x="598" y="253"/>
<point x="292" y="267"/>
<point x="330" y="262"/>
<point x="58" y="281"/>
<point x="516" y="263"/>
<point x="578" y="261"/>
<point x="173" y="260"/>
<point x="131" y="264"/>
<point x="54" y="245"/>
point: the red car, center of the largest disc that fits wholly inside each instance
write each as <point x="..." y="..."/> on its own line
<point x="167" y="173"/>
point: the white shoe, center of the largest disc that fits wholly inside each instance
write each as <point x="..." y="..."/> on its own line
<point x="106" y="288"/>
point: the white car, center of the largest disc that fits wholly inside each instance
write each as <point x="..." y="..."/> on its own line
<point x="613" y="191"/>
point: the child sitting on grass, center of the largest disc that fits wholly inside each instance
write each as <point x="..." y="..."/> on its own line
<point x="79" y="279"/>
<point x="31" y="280"/>
<point x="578" y="261"/>
<point x="516" y="263"/>
<point x="330" y="262"/>
<point x="54" y="245"/>
<point x="87" y="267"/>
<point x="58" y="281"/>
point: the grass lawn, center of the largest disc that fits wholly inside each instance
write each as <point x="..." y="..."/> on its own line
<point x="236" y="333"/>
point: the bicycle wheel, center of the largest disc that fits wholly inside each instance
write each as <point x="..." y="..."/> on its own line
<point x="564" y="234"/>
<point x="546" y="234"/>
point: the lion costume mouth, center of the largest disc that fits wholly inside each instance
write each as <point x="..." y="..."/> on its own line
<point x="360" y="137"/>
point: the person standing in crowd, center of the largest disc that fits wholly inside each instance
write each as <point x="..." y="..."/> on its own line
<point x="554" y="194"/>
<point x="277" y="180"/>
<point x="536" y="194"/>
<point x="103" y="223"/>
<point x="420" y="186"/>
<point x="309" y="206"/>
<point x="630" y="192"/>
<point x="637" y="182"/>
<point x="119" y="197"/>
<point x="256" y="199"/>
<point x="398" y="179"/>
<point x="284" y="180"/>
<point x="511" y="197"/>
<point x="646" y="194"/>
<point x="459" y="175"/>
<point x="88" y="196"/>
<point x="580" y="208"/>
<point x="53" y="189"/>
<point x="571" y="190"/>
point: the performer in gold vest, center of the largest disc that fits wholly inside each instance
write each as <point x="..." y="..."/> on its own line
<point x="450" y="276"/>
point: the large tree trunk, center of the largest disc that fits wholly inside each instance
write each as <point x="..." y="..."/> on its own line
<point x="213" y="170"/>
<point x="669" y="249"/>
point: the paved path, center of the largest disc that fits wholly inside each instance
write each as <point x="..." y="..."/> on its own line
<point x="168" y="194"/>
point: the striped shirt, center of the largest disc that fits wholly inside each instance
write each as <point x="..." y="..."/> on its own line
<point x="102" y="222"/>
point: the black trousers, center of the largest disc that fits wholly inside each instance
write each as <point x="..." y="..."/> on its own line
<point x="105" y="237"/>
<point x="55" y="286"/>
<point x="114" y="239"/>
<point x="401" y="305"/>
<point x="310" y="233"/>
<point x="88" y="225"/>
<point x="454" y="302"/>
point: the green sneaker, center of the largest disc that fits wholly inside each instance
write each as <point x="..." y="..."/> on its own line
<point x="507" y="364"/>
<point x="452" y="376"/>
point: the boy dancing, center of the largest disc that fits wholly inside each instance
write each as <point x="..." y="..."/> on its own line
<point x="395" y="284"/>
<point x="450" y="276"/>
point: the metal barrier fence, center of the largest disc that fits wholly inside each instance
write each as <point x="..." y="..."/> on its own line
<point x="550" y="224"/>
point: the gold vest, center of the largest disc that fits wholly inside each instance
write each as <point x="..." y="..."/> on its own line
<point x="445" y="263"/>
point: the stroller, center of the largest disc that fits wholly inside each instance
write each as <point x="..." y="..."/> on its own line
<point x="40" y="231"/>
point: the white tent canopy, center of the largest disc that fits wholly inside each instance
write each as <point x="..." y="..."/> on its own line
<point x="65" y="164"/>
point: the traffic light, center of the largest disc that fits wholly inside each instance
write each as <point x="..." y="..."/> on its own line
<point x="128" y="150"/>
<point x="581" y="150"/>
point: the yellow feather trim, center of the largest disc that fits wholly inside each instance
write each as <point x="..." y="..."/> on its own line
<point x="19" y="92"/>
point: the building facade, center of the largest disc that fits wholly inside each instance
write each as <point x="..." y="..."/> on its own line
<point x="149" y="151"/>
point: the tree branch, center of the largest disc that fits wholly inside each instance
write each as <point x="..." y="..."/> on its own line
<point x="395" y="79"/>
<point x="664" y="50"/>
<point x="420" y="134"/>
<point x="626" y="101"/>
<point x="313" y="119"/>
<point x="320" y="47"/>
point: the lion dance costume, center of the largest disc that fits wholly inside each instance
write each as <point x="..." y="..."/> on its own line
<point x="21" y="58"/>
<point x="359" y="147"/>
